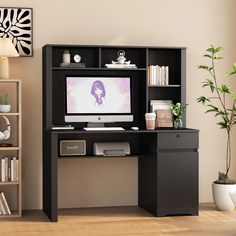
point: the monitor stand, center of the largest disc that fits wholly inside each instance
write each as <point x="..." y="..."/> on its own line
<point x="95" y="125"/>
<point x="100" y="127"/>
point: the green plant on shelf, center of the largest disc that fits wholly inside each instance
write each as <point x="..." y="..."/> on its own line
<point x="4" y="100"/>
<point x="178" y="109"/>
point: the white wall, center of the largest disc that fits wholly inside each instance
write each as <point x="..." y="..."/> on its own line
<point x="194" y="24"/>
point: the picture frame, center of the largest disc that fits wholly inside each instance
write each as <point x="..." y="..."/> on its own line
<point x="16" y="23"/>
<point x="163" y="112"/>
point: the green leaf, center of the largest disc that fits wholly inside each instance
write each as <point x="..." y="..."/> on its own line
<point x="224" y="89"/>
<point x="216" y="57"/>
<point x="204" y="67"/>
<point x="233" y="70"/>
<point x="209" y="83"/>
<point x="220" y="113"/>
<point x="213" y="109"/>
<point x="211" y="49"/>
<point x="214" y="50"/>
<point x="223" y="125"/>
<point x="202" y="100"/>
<point x="207" y="55"/>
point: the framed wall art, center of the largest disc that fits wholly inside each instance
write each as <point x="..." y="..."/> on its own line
<point x="16" y="24"/>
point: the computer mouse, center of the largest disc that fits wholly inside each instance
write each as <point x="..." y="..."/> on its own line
<point x="135" y="128"/>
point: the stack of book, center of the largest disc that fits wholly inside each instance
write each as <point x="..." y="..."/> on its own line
<point x="158" y="75"/>
<point x="163" y="112"/>
<point x="73" y="65"/>
<point x="9" y="169"/>
<point x="116" y="65"/>
<point x="4" y="207"/>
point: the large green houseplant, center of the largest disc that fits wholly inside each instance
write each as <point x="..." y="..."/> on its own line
<point x="222" y="104"/>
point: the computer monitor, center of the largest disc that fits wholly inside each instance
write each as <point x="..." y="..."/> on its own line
<point x="98" y="99"/>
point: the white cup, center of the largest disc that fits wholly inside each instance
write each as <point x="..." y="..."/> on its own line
<point x="150" y="120"/>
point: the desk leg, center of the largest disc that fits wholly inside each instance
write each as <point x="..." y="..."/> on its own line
<point x="50" y="157"/>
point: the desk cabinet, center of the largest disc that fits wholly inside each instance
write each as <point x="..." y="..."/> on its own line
<point x="177" y="183"/>
<point x="168" y="172"/>
<point x="177" y="173"/>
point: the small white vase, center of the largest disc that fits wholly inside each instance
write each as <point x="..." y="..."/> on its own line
<point x="5" y="108"/>
<point x="224" y="196"/>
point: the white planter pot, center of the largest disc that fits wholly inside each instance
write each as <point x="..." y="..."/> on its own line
<point x="5" y="108"/>
<point x="224" y="196"/>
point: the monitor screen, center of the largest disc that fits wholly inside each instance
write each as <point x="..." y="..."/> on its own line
<point x="94" y="99"/>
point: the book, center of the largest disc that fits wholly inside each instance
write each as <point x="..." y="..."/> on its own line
<point x="5" y="204"/>
<point x="160" y="104"/>
<point x="13" y="169"/>
<point x="158" y="75"/>
<point x="73" y="65"/>
<point x="2" y="207"/>
<point x="63" y="128"/>
<point x="120" y="66"/>
<point x="3" y="168"/>
<point x="6" y="169"/>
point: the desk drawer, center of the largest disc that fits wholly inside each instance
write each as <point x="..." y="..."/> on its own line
<point x="177" y="140"/>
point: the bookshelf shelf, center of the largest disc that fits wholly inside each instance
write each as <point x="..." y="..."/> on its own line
<point x="9" y="183"/>
<point x="9" y="148"/>
<point x="10" y="81"/>
<point x="10" y="114"/>
<point x="9" y="161"/>
<point x="14" y="214"/>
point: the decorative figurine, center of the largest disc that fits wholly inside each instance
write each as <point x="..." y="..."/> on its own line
<point x="121" y="58"/>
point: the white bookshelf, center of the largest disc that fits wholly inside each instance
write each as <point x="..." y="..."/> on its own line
<point x="13" y="88"/>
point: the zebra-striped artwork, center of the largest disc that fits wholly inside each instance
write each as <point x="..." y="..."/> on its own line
<point x="16" y="24"/>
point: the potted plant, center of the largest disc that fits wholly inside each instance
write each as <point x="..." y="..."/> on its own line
<point x="4" y="105"/>
<point x="177" y="110"/>
<point x="222" y="104"/>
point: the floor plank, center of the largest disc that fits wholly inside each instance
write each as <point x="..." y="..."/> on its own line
<point x="121" y="221"/>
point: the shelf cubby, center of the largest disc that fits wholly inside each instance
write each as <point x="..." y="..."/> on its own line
<point x="137" y="57"/>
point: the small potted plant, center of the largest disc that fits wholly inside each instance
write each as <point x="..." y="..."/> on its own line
<point x="222" y="104"/>
<point x="4" y="105"/>
<point x="177" y="110"/>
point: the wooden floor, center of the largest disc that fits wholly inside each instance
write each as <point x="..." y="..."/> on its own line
<point x="125" y="221"/>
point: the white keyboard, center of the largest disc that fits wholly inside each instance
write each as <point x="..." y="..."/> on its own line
<point x="102" y="128"/>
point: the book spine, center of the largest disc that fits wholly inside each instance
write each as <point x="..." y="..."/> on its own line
<point x="158" y="74"/>
<point x="12" y="171"/>
<point x="167" y="75"/>
<point x="6" y="169"/>
<point x="151" y="74"/>
<point x="15" y="170"/>
<point x="2" y="205"/>
<point x="9" y="169"/>
<point x="8" y="211"/>
<point x="3" y="175"/>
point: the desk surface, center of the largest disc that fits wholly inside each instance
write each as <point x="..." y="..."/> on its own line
<point x="160" y="130"/>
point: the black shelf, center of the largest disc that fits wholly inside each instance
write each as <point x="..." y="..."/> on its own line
<point x="97" y="157"/>
<point x="96" y="57"/>
<point x="165" y="86"/>
<point x="101" y="69"/>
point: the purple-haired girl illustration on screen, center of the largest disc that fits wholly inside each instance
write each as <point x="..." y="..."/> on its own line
<point x="98" y="91"/>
